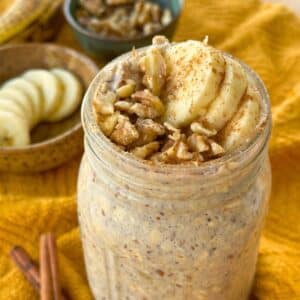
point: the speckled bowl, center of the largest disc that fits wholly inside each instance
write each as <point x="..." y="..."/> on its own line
<point x="52" y="144"/>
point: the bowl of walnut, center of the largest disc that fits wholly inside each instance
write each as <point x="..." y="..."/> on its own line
<point x="112" y="27"/>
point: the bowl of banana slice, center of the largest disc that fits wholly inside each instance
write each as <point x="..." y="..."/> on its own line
<point x="41" y="90"/>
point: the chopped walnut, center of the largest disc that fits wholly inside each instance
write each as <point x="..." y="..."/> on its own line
<point x="166" y="17"/>
<point x="170" y="127"/>
<point x="124" y="132"/>
<point x="150" y="27"/>
<point x="126" y="90"/>
<point x="197" y="127"/>
<point x="135" y="13"/>
<point x="118" y="2"/>
<point x="127" y="72"/>
<point x="216" y="149"/>
<point x="104" y="103"/>
<point x="145" y="14"/>
<point x="154" y="66"/>
<point x="145" y="151"/>
<point x="155" y="13"/>
<point x="108" y="123"/>
<point x="169" y="143"/>
<point x="183" y="152"/>
<point x="122" y="18"/>
<point x="146" y="98"/>
<point x="144" y="111"/>
<point x="95" y="7"/>
<point x="160" y="40"/>
<point x="169" y="155"/>
<point x="108" y="26"/>
<point x="148" y="131"/>
<point x="123" y="106"/>
<point x="197" y="143"/>
<point x="176" y="136"/>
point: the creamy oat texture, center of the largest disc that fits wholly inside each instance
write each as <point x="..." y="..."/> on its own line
<point x="178" y="103"/>
<point x="169" y="245"/>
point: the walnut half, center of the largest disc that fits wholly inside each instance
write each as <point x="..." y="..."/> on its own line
<point x="124" y="132"/>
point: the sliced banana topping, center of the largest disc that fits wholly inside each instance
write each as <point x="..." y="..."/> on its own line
<point x="51" y="89"/>
<point x="232" y="90"/>
<point x="195" y="72"/>
<point x="32" y="92"/>
<point x="21" y="100"/>
<point x="8" y="105"/>
<point x="71" y="97"/>
<point x="242" y="125"/>
<point x="14" y="131"/>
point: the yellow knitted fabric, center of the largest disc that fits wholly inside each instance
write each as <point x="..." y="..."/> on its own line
<point x="267" y="37"/>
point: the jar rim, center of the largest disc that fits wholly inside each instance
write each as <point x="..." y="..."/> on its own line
<point x="210" y="168"/>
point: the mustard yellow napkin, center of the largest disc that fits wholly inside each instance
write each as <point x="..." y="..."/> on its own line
<point x="267" y="37"/>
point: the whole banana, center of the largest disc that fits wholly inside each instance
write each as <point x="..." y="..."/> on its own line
<point x="23" y="15"/>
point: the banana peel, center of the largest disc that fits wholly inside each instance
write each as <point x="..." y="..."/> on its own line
<point x="23" y="19"/>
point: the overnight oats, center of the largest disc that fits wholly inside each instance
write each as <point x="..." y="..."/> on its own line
<point x="174" y="184"/>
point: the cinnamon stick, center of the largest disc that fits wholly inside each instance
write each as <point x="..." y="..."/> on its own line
<point x="26" y="265"/>
<point x="30" y="270"/>
<point x="46" y="284"/>
<point x="53" y="266"/>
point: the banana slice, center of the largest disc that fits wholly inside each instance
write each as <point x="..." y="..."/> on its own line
<point x="6" y="105"/>
<point x="72" y="95"/>
<point x="14" y="131"/>
<point x="32" y="92"/>
<point x="243" y="124"/>
<point x="21" y="100"/>
<point x="195" y="74"/>
<point x="233" y="88"/>
<point x="50" y="87"/>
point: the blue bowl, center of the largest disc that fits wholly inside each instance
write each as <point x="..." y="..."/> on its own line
<point x="99" y="46"/>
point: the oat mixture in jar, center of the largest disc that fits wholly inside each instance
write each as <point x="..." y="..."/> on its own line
<point x="181" y="219"/>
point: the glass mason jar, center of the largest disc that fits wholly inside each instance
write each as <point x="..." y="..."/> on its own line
<point x="171" y="232"/>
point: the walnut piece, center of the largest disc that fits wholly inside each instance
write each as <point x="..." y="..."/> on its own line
<point x="95" y="7"/>
<point x="126" y="90"/>
<point x="122" y="18"/>
<point x="108" y="123"/>
<point x="166" y="17"/>
<point x="123" y="106"/>
<point x="216" y="149"/>
<point x="182" y="152"/>
<point x="148" y="131"/>
<point x="144" y="111"/>
<point x="118" y="2"/>
<point x="124" y="132"/>
<point x="145" y="151"/>
<point x="146" y="98"/>
<point x="197" y="143"/>
<point x="104" y="103"/>
<point x="160" y="40"/>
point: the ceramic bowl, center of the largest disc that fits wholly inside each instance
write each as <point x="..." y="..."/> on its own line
<point x="97" y="45"/>
<point x="52" y="144"/>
